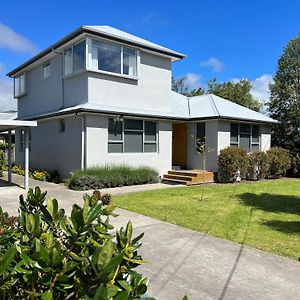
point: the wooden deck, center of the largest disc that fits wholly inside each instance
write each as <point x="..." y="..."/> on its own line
<point x="189" y="177"/>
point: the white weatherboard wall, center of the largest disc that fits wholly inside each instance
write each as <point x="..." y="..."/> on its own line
<point x="54" y="150"/>
<point x="97" y="144"/>
<point x="151" y="91"/>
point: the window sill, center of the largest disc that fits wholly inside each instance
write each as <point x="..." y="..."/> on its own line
<point x="113" y="74"/>
<point x="132" y="153"/>
<point x="20" y="96"/>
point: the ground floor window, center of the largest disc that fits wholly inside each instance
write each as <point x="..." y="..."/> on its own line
<point x="132" y="136"/>
<point x="245" y="136"/>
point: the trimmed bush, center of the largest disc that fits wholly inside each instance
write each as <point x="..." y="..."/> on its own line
<point x="1" y="162"/>
<point x="294" y="171"/>
<point x="279" y="161"/>
<point x="45" y="254"/>
<point x="111" y="176"/>
<point x="232" y="161"/>
<point x="258" y="165"/>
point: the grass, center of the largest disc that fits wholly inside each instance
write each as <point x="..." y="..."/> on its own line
<point x="263" y="215"/>
<point x="111" y="176"/>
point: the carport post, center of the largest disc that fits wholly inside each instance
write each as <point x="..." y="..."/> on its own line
<point x="26" y="139"/>
<point x="9" y="157"/>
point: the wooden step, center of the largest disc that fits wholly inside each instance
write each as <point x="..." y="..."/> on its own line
<point x="184" y="173"/>
<point x="189" y="177"/>
<point x="175" y="176"/>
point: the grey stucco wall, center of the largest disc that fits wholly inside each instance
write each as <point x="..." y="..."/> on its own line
<point x="42" y="94"/>
<point x="152" y="90"/>
<point x="218" y="138"/>
<point x="51" y="149"/>
<point x="195" y="161"/>
<point x="97" y="141"/>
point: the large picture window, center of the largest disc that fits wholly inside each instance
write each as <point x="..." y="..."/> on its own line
<point x="19" y="85"/>
<point x="245" y="136"/>
<point x="114" y="58"/>
<point x="132" y="136"/>
<point x="74" y="58"/>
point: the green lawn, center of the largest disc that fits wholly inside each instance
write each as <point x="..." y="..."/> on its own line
<point x="264" y="215"/>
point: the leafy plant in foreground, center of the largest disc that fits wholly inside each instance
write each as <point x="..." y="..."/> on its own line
<point x="45" y="254"/>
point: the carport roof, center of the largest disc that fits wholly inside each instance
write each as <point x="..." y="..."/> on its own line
<point x="6" y="125"/>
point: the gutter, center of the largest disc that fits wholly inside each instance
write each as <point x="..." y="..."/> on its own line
<point x="79" y="111"/>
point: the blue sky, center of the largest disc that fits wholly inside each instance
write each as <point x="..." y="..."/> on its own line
<point x="224" y="39"/>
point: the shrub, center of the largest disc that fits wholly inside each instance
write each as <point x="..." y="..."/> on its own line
<point x="232" y="160"/>
<point x="42" y="175"/>
<point x="294" y="171"/>
<point x="1" y="162"/>
<point x="46" y="255"/>
<point x="279" y="161"/>
<point x="258" y="165"/>
<point x="111" y="176"/>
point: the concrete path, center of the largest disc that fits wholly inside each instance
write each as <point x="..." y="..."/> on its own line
<point x="10" y="193"/>
<point x="182" y="261"/>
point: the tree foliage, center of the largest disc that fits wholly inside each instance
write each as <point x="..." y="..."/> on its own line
<point x="284" y="104"/>
<point x="238" y="92"/>
<point x="181" y="86"/>
<point x="46" y="255"/>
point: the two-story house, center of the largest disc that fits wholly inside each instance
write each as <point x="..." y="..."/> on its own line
<point x="103" y="96"/>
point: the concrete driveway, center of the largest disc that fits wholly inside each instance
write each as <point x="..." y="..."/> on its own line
<point x="182" y="261"/>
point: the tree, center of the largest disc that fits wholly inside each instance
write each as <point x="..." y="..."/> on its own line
<point x="238" y="92"/>
<point x="284" y="104"/>
<point x="181" y="86"/>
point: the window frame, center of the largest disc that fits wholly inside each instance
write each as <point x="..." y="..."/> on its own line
<point x="20" y="93"/>
<point x="237" y="144"/>
<point x="61" y="125"/>
<point x="71" y="47"/>
<point x="122" y="46"/>
<point x="45" y="65"/>
<point x="144" y="141"/>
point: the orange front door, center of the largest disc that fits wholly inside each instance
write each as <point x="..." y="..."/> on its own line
<point x="179" y="145"/>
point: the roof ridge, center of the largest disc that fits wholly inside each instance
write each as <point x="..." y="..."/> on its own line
<point x="214" y="104"/>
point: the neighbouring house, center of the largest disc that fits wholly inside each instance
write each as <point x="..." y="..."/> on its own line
<point x="103" y="96"/>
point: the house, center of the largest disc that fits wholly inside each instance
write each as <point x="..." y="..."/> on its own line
<point x="103" y="96"/>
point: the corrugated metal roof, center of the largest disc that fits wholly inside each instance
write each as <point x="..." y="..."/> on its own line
<point x="8" y="115"/>
<point x="209" y="106"/>
<point x="183" y="108"/>
<point x="114" y="32"/>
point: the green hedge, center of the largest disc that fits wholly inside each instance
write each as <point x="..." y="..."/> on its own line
<point x="1" y="162"/>
<point x="232" y="162"/>
<point x="279" y="160"/>
<point x="111" y="176"/>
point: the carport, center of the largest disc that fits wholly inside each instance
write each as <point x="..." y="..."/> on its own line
<point x="9" y="125"/>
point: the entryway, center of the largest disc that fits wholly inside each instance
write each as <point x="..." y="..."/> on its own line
<point x="179" y="145"/>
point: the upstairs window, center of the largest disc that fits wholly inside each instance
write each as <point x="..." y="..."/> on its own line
<point x="114" y="58"/>
<point x="46" y="70"/>
<point x="245" y="136"/>
<point x="19" y="86"/>
<point x="74" y="58"/>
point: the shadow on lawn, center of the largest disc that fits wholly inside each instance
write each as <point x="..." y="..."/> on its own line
<point x="284" y="226"/>
<point x="272" y="203"/>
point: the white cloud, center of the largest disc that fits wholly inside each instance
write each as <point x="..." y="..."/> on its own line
<point x="214" y="63"/>
<point x="11" y="40"/>
<point x="193" y="80"/>
<point x="7" y="101"/>
<point x="260" y="89"/>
